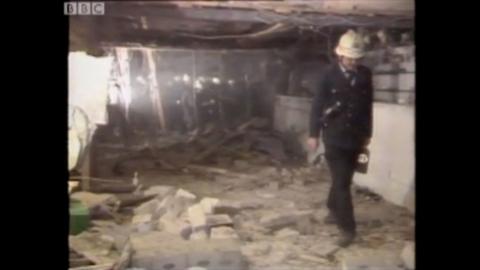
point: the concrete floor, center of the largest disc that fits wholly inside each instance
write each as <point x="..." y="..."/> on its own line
<point x="383" y="228"/>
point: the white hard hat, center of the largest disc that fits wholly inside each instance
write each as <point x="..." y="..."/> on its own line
<point x="351" y="45"/>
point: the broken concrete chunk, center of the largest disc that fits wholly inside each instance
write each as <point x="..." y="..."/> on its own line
<point x="199" y="235"/>
<point x="173" y="206"/>
<point x="305" y="226"/>
<point x="371" y="262"/>
<point x="196" y="216"/>
<point x="159" y="191"/>
<point x="146" y="207"/>
<point x="256" y="249"/>
<point x="93" y="247"/>
<point x="142" y="218"/>
<point x="219" y="220"/>
<point x="217" y="254"/>
<point x="185" y="194"/>
<point x="178" y="227"/>
<point x="277" y="221"/>
<point x="287" y="233"/>
<point x="208" y="204"/>
<point x="119" y="233"/>
<point x="142" y="223"/>
<point x="325" y="249"/>
<point x="234" y="207"/>
<point x="274" y="185"/>
<point x="151" y="252"/>
<point x="408" y="255"/>
<point x="265" y="195"/>
<point x="223" y="233"/>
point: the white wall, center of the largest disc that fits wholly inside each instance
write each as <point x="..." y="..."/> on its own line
<point x="392" y="162"/>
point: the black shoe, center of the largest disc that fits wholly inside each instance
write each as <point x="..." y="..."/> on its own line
<point x="346" y="238"/>
<point x="330" y="219"/>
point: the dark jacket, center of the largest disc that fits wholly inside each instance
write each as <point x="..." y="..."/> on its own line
<point x="349" y="122"/>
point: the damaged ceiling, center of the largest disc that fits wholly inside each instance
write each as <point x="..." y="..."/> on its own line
<point x="239" y="24"/>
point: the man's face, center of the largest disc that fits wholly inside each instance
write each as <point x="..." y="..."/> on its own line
<point x="349" y="63"/>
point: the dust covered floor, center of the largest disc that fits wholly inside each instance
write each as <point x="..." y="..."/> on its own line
<point x="280" y="189"/>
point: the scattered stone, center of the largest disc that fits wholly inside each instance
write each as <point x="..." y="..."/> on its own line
<point x="277" y="221"/>
<point x="119" y="233"/>
<point x="372" y="262"/>
<point x="197" y="217"/>
<point x="265" y="195"/>
<point x="256" y="249"/>
<point x="325" y="249"/>
<point x="142" y="223"/>
<point x="234" y="207"/>
<point x="216" y="254"/>
<point x="287" y="233"/>
<point x="199" y="235"/>
<point x="178" y="227"/>
<point x="223" y="233"/>
<point x="219" y="220"/>
<point x="146" y="207"/>
<point x="299" y="188"/>
<point x="181" y="193"/>
<point x="299" y="182"/>
<point x="208" y="204"/>
<point x="93" y="247"/>
<point x="305" y="226"/>
<point x="198" y="221"/>
<point x="150" y="251"/>
<point x="173" y="206"/>
<point x="314" y="259"/>
<point x="274" y="185"/>
<point x="408" y="255"/>
<point x="286" y="173"/>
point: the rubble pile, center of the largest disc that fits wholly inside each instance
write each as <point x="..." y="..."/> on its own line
<point x="250" y="143"/>
<point x="262" y="215"/>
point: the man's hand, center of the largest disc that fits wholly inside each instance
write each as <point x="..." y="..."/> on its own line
<point x="312" y="143"/>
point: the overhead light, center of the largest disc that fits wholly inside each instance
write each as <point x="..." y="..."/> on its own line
<point x="197" y="85"/>
<point x="216" y="80"/>
<point x="231" y="82"/>
<point x="177" y="78"/>
<point x="186" y="78"/>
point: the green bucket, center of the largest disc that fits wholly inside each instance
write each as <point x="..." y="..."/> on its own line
<point x="79" y="217"/>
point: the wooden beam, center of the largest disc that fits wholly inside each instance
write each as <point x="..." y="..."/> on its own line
<point x="261" y="11"/>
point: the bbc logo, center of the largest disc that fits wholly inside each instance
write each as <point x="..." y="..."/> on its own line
<point x="84" y="8"/>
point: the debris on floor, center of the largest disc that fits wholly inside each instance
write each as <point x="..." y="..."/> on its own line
<point x="238" y="214"/>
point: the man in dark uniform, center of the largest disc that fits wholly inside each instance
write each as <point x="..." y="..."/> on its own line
<point x="342" y="110"/>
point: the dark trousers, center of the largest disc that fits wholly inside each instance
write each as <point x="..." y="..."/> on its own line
<point x="341" y="163"/>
